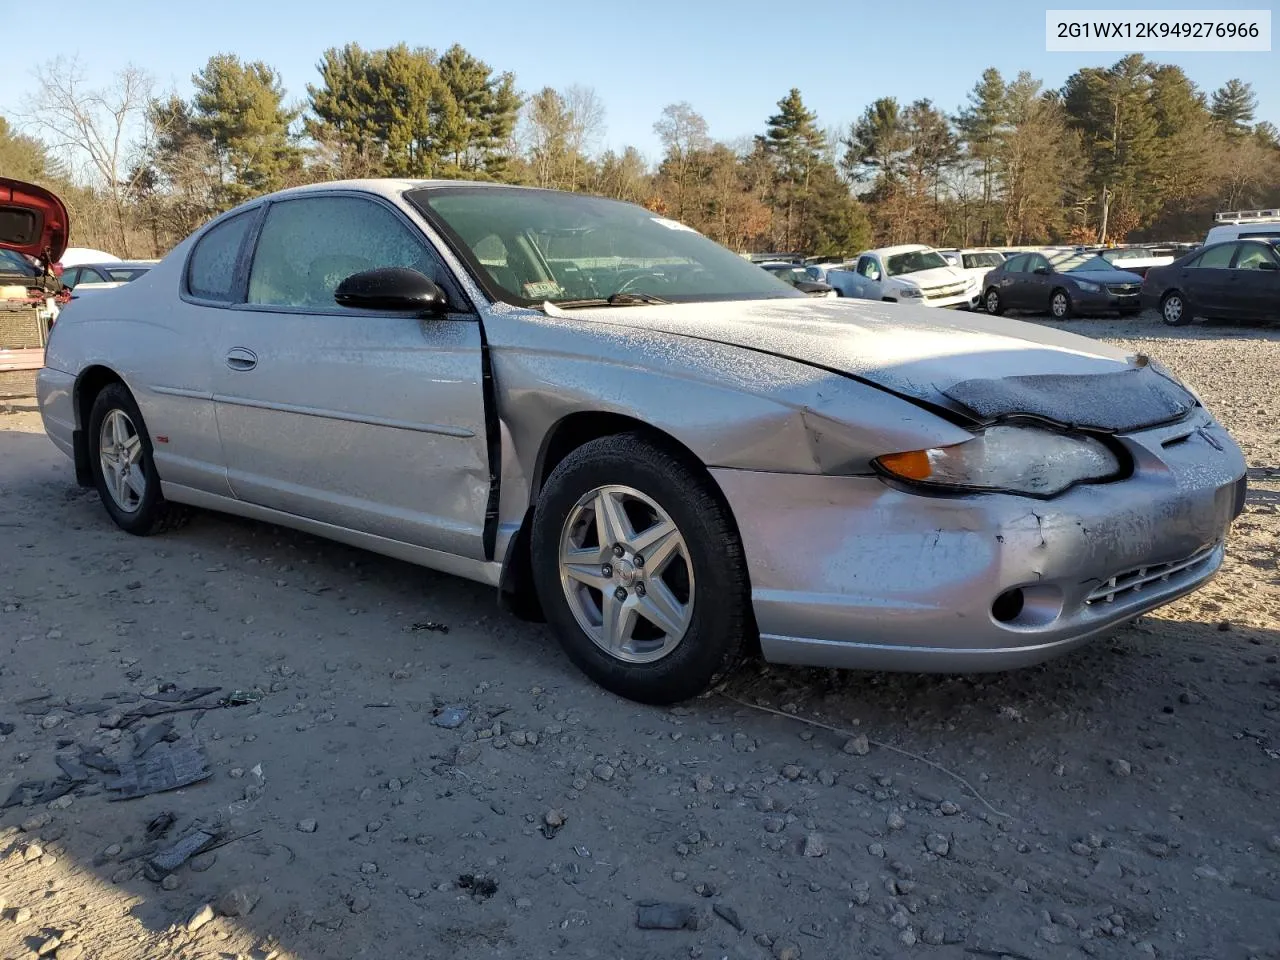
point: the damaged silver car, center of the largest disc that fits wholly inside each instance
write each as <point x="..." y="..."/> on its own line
<point x="664" y="451"/>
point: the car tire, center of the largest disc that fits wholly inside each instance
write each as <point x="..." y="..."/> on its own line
<point x="1060" y="304"/>
<point x="122" y="464"/>
<point x="991" y="301"/>
<point x="700" y="588"/>
<point x="1174" y="310"/>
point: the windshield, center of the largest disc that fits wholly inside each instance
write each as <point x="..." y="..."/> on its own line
<point x="529" y="246"/>
<point x="792" y="275"/>
<point x="1079" y="262"/>
<point x="1130" y="254"/>
<point x="974" y="261"/>
<point x="914" y="261"/>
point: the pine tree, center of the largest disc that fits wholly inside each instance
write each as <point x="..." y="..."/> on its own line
<point x="239" y="109"/>
<point x="795" y="143"/>
<point x="981" y="125"/>
<point x="1234" y="107"/>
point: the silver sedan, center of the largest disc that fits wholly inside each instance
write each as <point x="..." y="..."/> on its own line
<point x="640" y="437"/>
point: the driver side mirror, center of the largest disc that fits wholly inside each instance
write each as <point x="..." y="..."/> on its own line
<point x="1269" y="265"/>
<point x="392" y="288"/>
<point x="1042" y="271"/>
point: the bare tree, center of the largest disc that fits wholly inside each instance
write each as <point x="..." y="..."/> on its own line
<point x="100" y="130"/>
<point x="584" y="111"/>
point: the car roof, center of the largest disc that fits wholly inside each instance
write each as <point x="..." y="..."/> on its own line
<point x="117" y="264"/>
<point x="900" y="248"/>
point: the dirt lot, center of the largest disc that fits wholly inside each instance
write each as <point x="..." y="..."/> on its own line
<point x="1118" y="803"/>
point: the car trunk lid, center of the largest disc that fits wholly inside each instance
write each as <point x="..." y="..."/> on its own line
<point x="33" y="221"/>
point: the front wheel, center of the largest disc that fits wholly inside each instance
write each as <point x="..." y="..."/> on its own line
<point x="640" y="570"/>
<point x="993" y="304"/>
<point x="1174" y="310"/>
<point x="123" y="465"/>
<point x="1060" y="305"/>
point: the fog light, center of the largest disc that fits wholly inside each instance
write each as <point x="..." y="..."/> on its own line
<point x="1008" y="605"/>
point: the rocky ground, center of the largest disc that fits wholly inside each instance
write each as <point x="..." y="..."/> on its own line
<point x="399" y="770"/>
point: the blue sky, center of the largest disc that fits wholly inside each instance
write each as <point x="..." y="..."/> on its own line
<point x="732" y="59"/>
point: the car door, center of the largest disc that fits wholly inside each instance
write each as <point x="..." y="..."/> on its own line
<point x="373" y="421"/>
<point x="1011" y="282"/>
<point x="1034" y="288"/>
<point x="1206" y="281"/>
<point x="871" y="285"/>
<point x="1254" y="290"/>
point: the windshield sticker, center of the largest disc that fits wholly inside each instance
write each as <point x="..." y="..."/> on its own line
<point x="672" y="224"/>
<point x="542" y="289"/>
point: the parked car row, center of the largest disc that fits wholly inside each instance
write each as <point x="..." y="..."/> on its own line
<point x="1234" y="275"/>
<point x="638" y="436"/>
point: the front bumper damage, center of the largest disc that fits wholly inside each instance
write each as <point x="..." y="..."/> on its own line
<point x="851" y="572"/>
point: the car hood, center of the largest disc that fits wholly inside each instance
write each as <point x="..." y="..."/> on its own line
<point x="1104" y="276"/>
<point x="935" y="277"/>
<point x="33" y="220"/>
<point x="985" y="368"/>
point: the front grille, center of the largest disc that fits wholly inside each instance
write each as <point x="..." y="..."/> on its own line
<point x="1124" y="289"/>
<point x="935" y="293"/>
<point x="1132" y="581"/>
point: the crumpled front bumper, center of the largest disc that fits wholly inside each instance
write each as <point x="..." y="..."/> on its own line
<point x="851" y="572"/>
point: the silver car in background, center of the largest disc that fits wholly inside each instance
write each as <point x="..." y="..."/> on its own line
<point x="641" y="437"/>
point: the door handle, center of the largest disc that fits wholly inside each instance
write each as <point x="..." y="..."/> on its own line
<point x="238" y="358"/>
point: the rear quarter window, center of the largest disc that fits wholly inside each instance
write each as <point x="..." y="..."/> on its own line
<point x="211" y="269"/>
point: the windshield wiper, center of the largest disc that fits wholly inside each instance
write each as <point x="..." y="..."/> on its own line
<point x="614" y="300"/>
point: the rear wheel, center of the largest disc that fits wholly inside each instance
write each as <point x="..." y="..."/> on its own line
<point x="640" y="570"/>
<point x="1174" y="310"/>
<point x="993" y="304"/>
<point x="1060" y="304"/>
<point x="123" y="465"/>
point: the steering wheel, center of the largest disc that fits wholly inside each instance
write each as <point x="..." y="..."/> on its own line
<point x="641" y="276"/>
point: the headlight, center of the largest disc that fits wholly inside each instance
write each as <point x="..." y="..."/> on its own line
<point x="1088" y="287"/>
<point x="911" y="292"/>
<point x="1011" y="459"/>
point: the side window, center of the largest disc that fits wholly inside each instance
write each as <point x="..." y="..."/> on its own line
<point x="88" y="275"/>
<point x="868" y="267"/>
<point x="1034" y="262"/>
<point x="1016" y="264"/>
<point x="310" y="245"/>
<point x="1216" y="258"/>
<point x="211" y="271"/>
<point x="71" y="276"/>
<point x="1251" y="255"/>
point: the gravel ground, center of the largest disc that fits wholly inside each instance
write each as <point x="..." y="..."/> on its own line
<point x="1116" y="803"/>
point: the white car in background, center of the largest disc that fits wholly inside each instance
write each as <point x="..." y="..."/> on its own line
<point x="1135" y="259"/>
<point x="973" y="261"/>
<point x="911" y="273"/>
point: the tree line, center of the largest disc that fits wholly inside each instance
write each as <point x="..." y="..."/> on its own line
<point x="1131" y="151"/>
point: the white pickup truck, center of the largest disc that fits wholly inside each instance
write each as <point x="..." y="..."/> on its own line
<point x="912" y="273"/>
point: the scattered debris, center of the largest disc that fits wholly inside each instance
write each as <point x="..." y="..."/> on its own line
<point x="729" y="916"/>
<point x="241" y="698"/>
<point x="151" y="736"/>
<point x="430" y="626"/>
<point x="169" y="860"/>
<point x="200" y="918"/>
<point x="481" y="886"/>
<point x="552" y="822"/>
<point x="656" y="915"/>
<point x="166" y="768"/>
<point x="6" y="729"/>
<point x="238" y="902"/>
<point x="450" y="718"/>
<point x="170" y="694"/>
<point x="307" y="826"/>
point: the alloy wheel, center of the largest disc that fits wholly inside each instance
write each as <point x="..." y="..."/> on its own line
<point x="120" y="454"/>
<point x="626" y="574"/>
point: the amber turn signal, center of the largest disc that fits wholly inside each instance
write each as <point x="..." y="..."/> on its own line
<point x="912" y="465"/>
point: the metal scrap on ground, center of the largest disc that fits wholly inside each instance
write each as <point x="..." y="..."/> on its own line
<point x="167" y="767"/>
